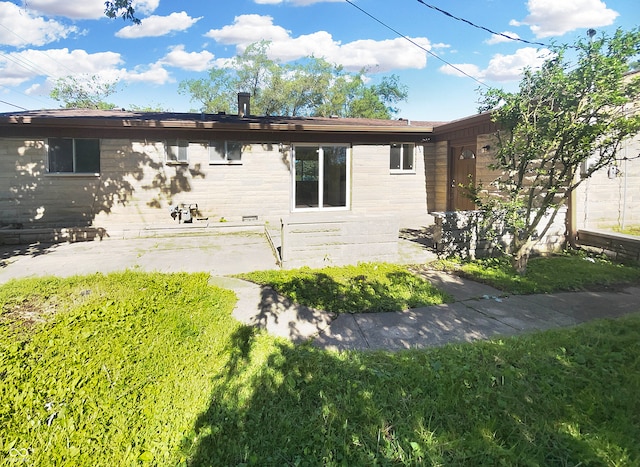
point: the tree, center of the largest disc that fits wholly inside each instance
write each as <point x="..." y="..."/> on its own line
<point x="121" y="8"/>
<point x="309" y="87"/>
<point x="569" y="114"/>
<point x="86" y="93"/>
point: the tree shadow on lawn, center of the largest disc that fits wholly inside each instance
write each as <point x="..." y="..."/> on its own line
<point x="391" y="291"/>
<point x="279" y="404"/>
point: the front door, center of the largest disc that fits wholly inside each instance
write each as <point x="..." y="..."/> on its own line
<point x="463" y="174"/>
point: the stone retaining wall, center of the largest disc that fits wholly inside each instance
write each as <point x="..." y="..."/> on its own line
<point x="460" y="233"/>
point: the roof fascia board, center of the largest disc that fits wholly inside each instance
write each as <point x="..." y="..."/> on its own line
<point x="112" y="123"/>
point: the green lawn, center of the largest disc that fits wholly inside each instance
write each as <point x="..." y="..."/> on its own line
<point x="135" y="368"/>
<point x="567" y="272"/>
<point x="367" y="287"/>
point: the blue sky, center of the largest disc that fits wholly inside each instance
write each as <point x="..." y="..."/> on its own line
<point x="42" y="40"/>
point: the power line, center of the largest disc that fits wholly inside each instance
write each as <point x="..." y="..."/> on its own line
<point x="416" y="44"/>
<point x="34" y="66"/>
<point x="13" y="105"/>
<point x="470" y="23"/>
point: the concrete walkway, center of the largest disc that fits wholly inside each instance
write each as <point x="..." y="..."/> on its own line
<point x="479" y="311"/>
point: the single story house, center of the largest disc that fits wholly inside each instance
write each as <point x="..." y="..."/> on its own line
<point x="350" y="183"/>
<point x="324" y="187"/>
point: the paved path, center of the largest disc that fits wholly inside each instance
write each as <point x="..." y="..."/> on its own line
<point x="479" y="311"/>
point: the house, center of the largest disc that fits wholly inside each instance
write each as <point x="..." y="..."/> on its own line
<point x="462" y="151"/>
<point x="323" y="186"/>
<point x="327" y="189"/>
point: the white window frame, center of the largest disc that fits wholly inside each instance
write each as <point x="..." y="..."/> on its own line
<point x="403" y="148"/>
<point x="320" y="207"/>
<point x="213" y="145"/>
<point x="176" y="152"/>
<point x="74" y="157"/>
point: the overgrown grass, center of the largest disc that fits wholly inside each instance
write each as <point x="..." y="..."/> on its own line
<point x="567" y="272"/>
<point x="367" y="287"/>
<point x="566" y="397"/>
<point x="149" y="369"/>
<point x="107" y="370"/>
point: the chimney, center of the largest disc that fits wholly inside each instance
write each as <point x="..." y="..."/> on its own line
<point x="244" y="104"/>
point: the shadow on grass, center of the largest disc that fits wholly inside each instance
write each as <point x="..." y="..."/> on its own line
<point x="550" y="401"/>
<point x="387" y="290"/>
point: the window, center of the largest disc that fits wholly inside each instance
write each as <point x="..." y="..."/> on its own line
<point x="401" y="158"/>
<point x="177" y="151"/>
<point x="69" y="155"/>
<point x="225" y="152"/>
<point x="321" y="177"/>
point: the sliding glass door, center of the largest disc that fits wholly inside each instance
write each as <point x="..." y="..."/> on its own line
<point x="321" y="176"/>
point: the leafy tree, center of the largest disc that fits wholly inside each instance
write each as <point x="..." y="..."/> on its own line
<point x="84" y="93"/>
<point x="121" y="8"/>
<point x="308" y="87"/>
<point x="148" y="108"/>
<point x="571" y="113"/>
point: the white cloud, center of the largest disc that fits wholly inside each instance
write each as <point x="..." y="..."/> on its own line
<point x="57" y="63"/>
<point x="193" y="61"/>
<point x="19" y="67"/>
<point x="554" y="17"/>
<point x="155" y="26"/>
<point x="378" y="56"/>
<point x="154" y="74"/>
<point x="497" y="38"/>
<point x="502" y="67"/>
<point x="85" y="9"/>
<point x="22" y="28"/>
<point x="145" y="7"/>
<point x="247" y="29"/>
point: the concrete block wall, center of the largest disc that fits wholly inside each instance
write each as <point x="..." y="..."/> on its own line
<point x="611" y="197"/>
<point x="258" y="187"/>
<point x="308" y="239"/>
<point x="375" y="190"/>
<point x="136" y="186"/>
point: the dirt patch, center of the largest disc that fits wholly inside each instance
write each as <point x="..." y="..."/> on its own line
<point x="27" y="315"/>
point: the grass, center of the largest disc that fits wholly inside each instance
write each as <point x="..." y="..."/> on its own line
<point x="367" y="287"/>
<point x="560" y="398"/>
<point x="567" y="272"/>
<point x="107" y="369"/>
<point x="150" y="369"/>
<point x="629" y="230"/>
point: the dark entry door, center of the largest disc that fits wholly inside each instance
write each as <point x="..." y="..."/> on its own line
<point x="463" y="172"/>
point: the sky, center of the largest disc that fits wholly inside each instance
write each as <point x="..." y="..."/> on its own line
<point x="44" y="40"/>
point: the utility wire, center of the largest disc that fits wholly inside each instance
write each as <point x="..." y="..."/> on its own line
<point x="416" y="44"/>
<point x="446" y="13"/>
<point x="33" y="65"/>
<point x="13" y="105"/>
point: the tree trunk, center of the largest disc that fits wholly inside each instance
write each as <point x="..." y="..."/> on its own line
<point x="520" y="255"/>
